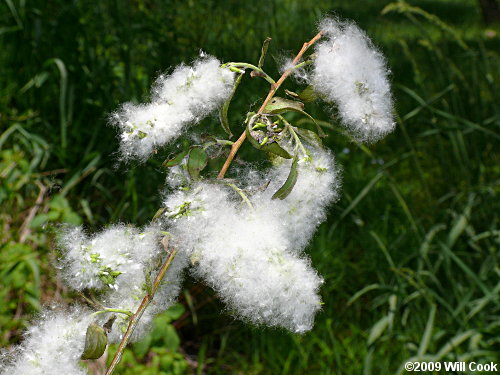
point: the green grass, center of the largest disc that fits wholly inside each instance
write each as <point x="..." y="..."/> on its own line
<point x="410" y="252"/>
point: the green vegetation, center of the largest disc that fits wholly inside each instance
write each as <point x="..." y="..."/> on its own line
<point x="410" y="252"/>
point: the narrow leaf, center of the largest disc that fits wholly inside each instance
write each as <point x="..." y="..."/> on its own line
<point x="265" y="46"/>
<point x="460" y="224"/>
<point x="176" y="160"/>
<point x="287" y="187"/>
<point x="308" y="95"/>
<point x="426" y="338"/>
<point x="197" y="160"/>
<point x="378" y="329"/>
<point x="158" y="213"/>
<point x="454" y="343"/>
<point x="225" y="107"/>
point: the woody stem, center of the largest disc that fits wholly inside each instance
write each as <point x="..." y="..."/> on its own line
<point x="134" y="319"/>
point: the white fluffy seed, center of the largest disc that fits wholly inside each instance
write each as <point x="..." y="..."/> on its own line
<point x="351" y="72"/>
<point x="252" y="256"/>
<point x="180" y="99"/>
<point x="53" y="344"/>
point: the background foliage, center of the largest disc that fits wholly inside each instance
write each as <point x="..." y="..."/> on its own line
<point x="410" y="252"/>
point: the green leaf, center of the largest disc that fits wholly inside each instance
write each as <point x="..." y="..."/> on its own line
<point x="309" y="136"/>
<point x="208" y="139"/>
<point x="263" y="53"/>
<point x="426" y="338"/>
<point x="176" y="160"/>
<point x="308" y="95"/>
<point x="158" y="213"/>
<point x="171" y="339"/>
<point x="141" y="347"/>
<point x="378" y="329"/>
<point x="197" y="160"/>
<point x="53" y="215"/>
<point x="281" y="105"/>
<point x="164" y="333"/>
<point x="58" y="202"/>
<point x="96" y="341"/>
<point x="72" y="218"/>
<point x="276" y="149"/>
<point x="39" y="220"/>
<point x="290" y="182"/>
<point x="225" y="107"/>
<point x="175" y="311"/>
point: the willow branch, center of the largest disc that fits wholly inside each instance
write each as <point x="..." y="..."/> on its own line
<point x="274" y="87"/>
<point x="135" y="318"/>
